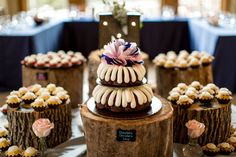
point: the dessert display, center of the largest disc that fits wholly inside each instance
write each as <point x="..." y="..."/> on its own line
<point x="94" y="61"/>
<point x="123" y="110"/>
<point x="60" y="68"/>
<point x="203" y="103"/>
<point x="184" y="67"/>
<point x="36" y="102"/>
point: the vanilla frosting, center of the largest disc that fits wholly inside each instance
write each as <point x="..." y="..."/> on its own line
<point x="30" y="151"/>
<point x="13" y="150"/>
<point x="121" y="74"/>
<point x="4" y="142"/>
<point x="13" y="99"/>
<point x="118" y="97"/>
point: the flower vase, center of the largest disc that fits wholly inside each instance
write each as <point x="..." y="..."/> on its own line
<point x="192" y="149"/>
<point x="42" y="146"/>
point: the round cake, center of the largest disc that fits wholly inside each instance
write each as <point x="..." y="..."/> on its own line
<point x="94" y="61"/>
<point x="172" y="68"/>
<point x="60" y="68"/>
<point x="208" y="104"/>
<point x="121" y="74"/>
<point x="31" y="103"/>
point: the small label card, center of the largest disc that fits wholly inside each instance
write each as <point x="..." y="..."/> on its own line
<point x="125" y="135"/>
<point x="42" y="76"/>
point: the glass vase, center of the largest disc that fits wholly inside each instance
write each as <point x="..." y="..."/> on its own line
<point x="192" y="149"/>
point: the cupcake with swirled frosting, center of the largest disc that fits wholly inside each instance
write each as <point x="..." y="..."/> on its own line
<point x="3" y="133"/>
<point x="30" y="152"/>
<point x="39" y="105"/>
<point x="210" y="149"/>
<point x="173" y="97"/>
<point x="63" y="96"/>
<point x="4" y="144"/>
<point x="184" y="101"/>
<point x="205" y="97"/>
<point x="13" y="151"/>
<point x="29" y="97"/>
<point x="223" y="96"/>
<point x="53" y="102"/>
<point x="13" y="101"/>
<point x="225" y="148"/>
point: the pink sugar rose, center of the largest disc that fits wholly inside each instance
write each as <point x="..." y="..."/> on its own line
<point x="42" y="127"/>
<point x="195" y="128"/>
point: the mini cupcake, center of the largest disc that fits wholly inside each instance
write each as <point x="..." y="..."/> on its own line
<point x="160" y="62"/>
<point x="45" y="96"/>
<point x="196" y="85"/>
<point x="207" y="89"/>
<point x="3" y="133"/>
<point x="223" y="97"/>
<point x="232" y="141"/>
<point x="196" y="54"/>
<point x="183" y="54"/>
<point x="23" y="90"/>
<point x="65" y="63"/>
<point x="182" y="64"/>
<point x="15" y="93"/>
<point x="225" y="148"/>
<point x="13" y="151"/>
<point x="40" y="91"/>
<point x="206" y="59"/>
<point x="169" y="64"/>
<point x="35" y="88"/>
<point x="184" y="101"/>
<point x="53" y="102"/>
<point x="13" y="101"/>
<point x="29" y="97"/>
<point x="39" y="105"/>
<point x="194" y="62"/>
<point x="171" y="55"/>
<point x="192" y="89"/>
<point x="205" y="97"/>
<point x="213" y="87"/>
<point x="173" y="97"/>
<point x="63" y="97"/>
<point x="51" y="87"/>
<point x="30" y="152"/>
<point x="191" y="94"/>
<point x="4" y="144"/>
<point x="210" y="149"/>
<point x="176" y="89"/>
<point x="182" y="86"/>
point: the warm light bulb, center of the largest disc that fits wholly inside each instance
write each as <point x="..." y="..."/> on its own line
<point x="133" y="24"/>
<point x="105" y="23"/>
<point x="118" y="35"/>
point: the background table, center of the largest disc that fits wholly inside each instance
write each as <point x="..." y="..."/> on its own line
<point x="79" y="35"/>
<point x="220" y="42"/>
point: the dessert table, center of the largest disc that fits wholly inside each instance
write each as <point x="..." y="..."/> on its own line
<point x="220" y="42"/>
<point x="76" y="147"/>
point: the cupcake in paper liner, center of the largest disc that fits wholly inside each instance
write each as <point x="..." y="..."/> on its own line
<point x="3" y="132"/>
<point x="173" y="97"/>
<point x="22" y="91"/>
<point x="224" y="96"/>
<point x="196" y="85"/>
<point x="53" y="102"/>
<point x="205" y="97"/>
<point x="39" y="105"/>
<point x="45" y="95"/>
<point x="4" y="144"/>
<point x="225" y="148"/>
<point x="30" y="152"/>
<point x="13" y="101"/>
<point x="232" y="141"/>
<point x="35" y="88"/>
<point x="210" y="149"/>
<point x="29" y="97"/>
<point x="63" y="96"/>
<point x="184" y="101"/>
<point x="13" y="151"/>
<point x="51" y="87"/>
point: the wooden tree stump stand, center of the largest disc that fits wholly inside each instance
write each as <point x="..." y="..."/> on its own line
<point x="169" y="78"/>
<point x="21" y="121"/>
<point x="71" y="79"/>
<point x="151" y="136"/>
<point x="216" y="117"/>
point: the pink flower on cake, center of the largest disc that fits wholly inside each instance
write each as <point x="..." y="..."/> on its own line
<point x="195" y="128"/>
<point x="42" y="127"/>
<point x="120" y="52"/>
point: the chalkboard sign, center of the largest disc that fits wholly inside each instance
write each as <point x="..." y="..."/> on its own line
<point x="42" y="76"/>
<point x="125" y="135"/>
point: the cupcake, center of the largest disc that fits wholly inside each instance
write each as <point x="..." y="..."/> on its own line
<point x="196" y="85"/>
<point x="210" y="149"/>
<point x="194" y="62"/>
<point x="45" y="96"/>
<point x="182" y="64"/>
<point x="192" y="89"/>
<point x="173" y="97"/>
<point x="213" y="87"/>
<point x="183" y="54"/>
<point x="171" y="55"/>
<point x="4" y="144"/>
<point x="51" y="87"/>
<point x="22" y="91"/>
<point x="196" y="54"/>
<point x="184" y="101"/>
<point x="13" y="151"/>
<point x="40" y="91"/>
<point x="13" y="101"/>
<point x="223" y="97"/>
<point x="58" y="89"/>
<point x="35" y="88"/>
<point x="206" y="59"/>
<point x="3" y="133"/>
<point x="30" y="152"/>
<point x="29" y="97"/>
<point x="160" y="62"/>
<point x="39" y="105"/>
<point x="63" y="97"/>
<point x="205" y="97"/>
<point x="225" y="148"/>
<point x="182" y="86"/>
<point x="191" y="94"/>
<point x="15" y="93"/>
<point x="169" y="64"/>
<point x="176" y="89"/>
<point x="53" y="102"/>
<point x="207" y="89"/>
<point x="232" y="141"/>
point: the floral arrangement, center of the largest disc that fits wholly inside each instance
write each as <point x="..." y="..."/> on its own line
<point x="123" y="53"/>
<point x="195" y="128"/>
